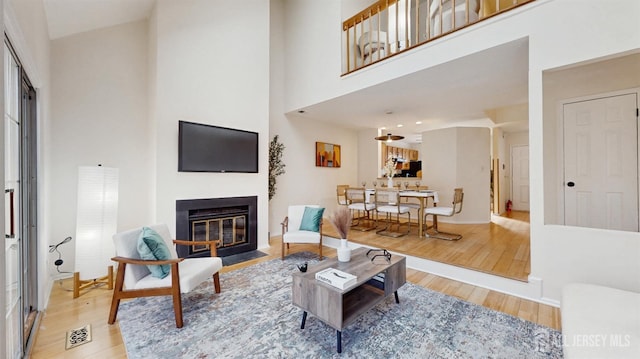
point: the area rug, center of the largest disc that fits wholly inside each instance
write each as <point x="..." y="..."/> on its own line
<point x="242" y="257"/>
<point x="253" y="318"/>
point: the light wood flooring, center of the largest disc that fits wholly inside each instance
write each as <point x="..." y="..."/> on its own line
<point x="500" y="247"/>
<point x="92" y="307"/>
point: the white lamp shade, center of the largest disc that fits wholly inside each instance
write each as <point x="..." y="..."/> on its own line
<point x="97" y="216"/>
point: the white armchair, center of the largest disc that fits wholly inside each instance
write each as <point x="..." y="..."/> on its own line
<point x="303" y="224"/>
<point x="372" y="47"/>
<point x="442" y="24"/>
<point x="135" y="279"/>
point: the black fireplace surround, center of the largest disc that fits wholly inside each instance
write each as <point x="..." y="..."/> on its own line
<point x="187" y="208"/>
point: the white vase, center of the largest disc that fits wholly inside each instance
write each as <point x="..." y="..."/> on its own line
<point x="344" y="252"/>
<point x="390" y="182"/>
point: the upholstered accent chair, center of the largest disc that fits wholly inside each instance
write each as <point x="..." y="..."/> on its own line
<point x="303" y="224"/>
<point x="138" y="277"/>
<point x="456" y="207"/>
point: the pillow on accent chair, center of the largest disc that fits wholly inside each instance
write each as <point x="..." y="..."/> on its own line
<point x="151" y="246"/>
<point x="311" y="219"/>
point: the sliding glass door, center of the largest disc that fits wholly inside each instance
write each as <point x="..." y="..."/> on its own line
<point x="20" y="205"/>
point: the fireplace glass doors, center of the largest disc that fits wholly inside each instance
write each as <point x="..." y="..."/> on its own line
<point x="229" y="230"/>
<point x="231" y="220"/>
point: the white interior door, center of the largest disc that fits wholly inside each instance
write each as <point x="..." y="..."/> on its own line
<point x="601" y="163"/>
<point x="520" y="178"/>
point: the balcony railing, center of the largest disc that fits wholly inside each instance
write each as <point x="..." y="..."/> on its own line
<point x="389" y="27"/>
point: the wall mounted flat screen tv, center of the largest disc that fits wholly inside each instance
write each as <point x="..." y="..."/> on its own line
<point x="207" y="148"/>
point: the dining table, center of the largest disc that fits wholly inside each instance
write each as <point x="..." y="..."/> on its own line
<point x="421" y="195"/>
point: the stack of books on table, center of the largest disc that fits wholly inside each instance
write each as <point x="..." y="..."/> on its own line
<point x="336" y="278"/>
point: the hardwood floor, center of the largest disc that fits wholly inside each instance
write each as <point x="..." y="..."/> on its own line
<point x="92" y="307"/>
<point x="500" y="247"/>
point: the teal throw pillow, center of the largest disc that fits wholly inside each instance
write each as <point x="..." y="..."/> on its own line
<point x="311" y="219"/>
<point x="151" y="246"/>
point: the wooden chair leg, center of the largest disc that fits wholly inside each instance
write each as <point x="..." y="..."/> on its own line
<point x="216" y="282"/>
<point x="175" y="293"/>
<point x="282" y="252"/>
<point x="320" y="250"/>
<point x="115" y="300"/>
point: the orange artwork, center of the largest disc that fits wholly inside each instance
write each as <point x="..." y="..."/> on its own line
<point x="327" y="155"/>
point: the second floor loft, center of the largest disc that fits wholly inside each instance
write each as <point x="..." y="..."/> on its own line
<point x="389" y="27"/>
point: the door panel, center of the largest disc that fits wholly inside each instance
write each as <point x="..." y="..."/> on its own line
<point x="601" y="163"/>
<point x="13" y="245"/>
<point x="520" y="178"/>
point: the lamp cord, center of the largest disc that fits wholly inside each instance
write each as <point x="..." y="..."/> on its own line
<point x="58" y="262"/>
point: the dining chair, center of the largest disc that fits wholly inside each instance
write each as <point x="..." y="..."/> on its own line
<point x="414" y="203"/>
<point x="361" y="207"/>
<point x="456" y="207"/>
<point x="341" y="194"/>
<point x="388" y="202"/>
<point x="148" y="265"/>
<point x="303" y="224"/>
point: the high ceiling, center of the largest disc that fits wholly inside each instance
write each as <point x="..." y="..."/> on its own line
<point x="460" y="92"/>
<point x="68" y="17"/>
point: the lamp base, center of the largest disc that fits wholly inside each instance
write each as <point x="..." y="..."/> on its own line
<point x="79" y="284"/>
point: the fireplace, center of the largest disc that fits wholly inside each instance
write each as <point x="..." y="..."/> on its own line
<point x="231" y="220"/>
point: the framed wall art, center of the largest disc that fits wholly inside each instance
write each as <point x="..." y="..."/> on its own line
<point x="327" y="155"/>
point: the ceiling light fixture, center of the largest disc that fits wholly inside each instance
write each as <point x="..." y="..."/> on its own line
<point x="389" y="137"/>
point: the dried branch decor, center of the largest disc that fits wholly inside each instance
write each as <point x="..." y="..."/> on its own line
<point x="341" y="221"/>
<point x="276" y="167"/>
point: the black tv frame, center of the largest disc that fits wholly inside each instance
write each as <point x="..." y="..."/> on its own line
<point x="214" y="167"/>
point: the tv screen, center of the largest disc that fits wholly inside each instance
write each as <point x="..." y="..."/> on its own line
<point x="207" y="148"/>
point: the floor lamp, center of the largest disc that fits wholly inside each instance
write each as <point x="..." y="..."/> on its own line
<point x="97" y="216"/>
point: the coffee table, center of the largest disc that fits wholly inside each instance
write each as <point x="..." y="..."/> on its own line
<point x="339" y="308"/>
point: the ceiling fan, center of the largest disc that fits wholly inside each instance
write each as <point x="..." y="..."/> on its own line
<point x="389" y="137"/>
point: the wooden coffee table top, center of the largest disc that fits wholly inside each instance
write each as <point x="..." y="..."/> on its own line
<point x="359" y="265"/>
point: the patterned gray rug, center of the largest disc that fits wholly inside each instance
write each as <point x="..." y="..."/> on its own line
<point x="253" y="318"/>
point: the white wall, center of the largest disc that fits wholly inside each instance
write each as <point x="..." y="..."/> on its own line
<point x="562" y="254"/>
<point x="607" y="257"/>
<point x="99" y="116"/>
<point x="556" y="37"/>
<point x="368" y="157"/>
<point x="212" y="67"/>
<point x="277" y="119"/>
<point x="512" y="139"/>
<point x="459" y="157"/>
<point x="303" y="182"/>
<point x="569" y="83"/>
